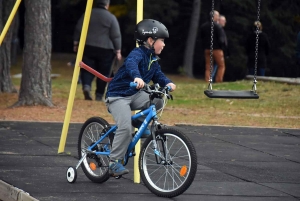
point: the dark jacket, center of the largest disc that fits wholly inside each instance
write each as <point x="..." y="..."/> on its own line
<point x="225" y="47"/>
<point x="103" y="31"/>
<point x="298" y="47"/>
<point x="218" y="36"/>
<point x="141" y="63"/>
<point x="263" y="49"/>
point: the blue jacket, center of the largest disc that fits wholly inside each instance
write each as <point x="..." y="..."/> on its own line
<point x="141" y="63"/>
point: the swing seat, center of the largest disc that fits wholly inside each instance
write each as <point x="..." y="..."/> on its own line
<point x="231" y="94"/>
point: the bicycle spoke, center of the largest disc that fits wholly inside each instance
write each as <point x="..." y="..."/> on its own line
<point x="173" y="178"/>
<point x="94" y="166"/>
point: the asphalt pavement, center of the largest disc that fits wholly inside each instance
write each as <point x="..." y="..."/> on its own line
<point x="234" y="164"/>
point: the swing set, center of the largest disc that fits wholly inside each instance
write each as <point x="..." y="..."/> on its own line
<point x="252" y="94"/>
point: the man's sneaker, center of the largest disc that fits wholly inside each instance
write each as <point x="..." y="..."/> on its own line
<point x="87" y="92"/>
<point x="98" y="97"/>
<point x="117" y="169"/>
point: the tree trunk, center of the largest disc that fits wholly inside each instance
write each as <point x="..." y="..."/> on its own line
<point x="36" y="71"/>
<point x="6" y="84"/>
<point x="191" y="40"/>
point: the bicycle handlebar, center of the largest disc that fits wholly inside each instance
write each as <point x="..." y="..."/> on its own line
<point x="166" y="88"/>
<point x="155" y="90"/>
<point x="133" y="84"/>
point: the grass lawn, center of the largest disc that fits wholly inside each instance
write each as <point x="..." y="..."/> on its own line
<point x="278" y="105"/>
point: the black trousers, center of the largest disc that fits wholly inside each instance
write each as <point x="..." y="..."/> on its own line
<point x="99" y="59"/>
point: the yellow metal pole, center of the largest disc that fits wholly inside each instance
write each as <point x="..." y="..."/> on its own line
<point x="84" y="30"/>
<point x="10" y="18"/>
<point x="136" y="172"/>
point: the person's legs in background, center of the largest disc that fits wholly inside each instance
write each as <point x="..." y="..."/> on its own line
<point x="87" y="78"/>
<point x="104" y="66"/>
<point x="207" y="64"/>
<point x="261" y="72"/>
<point x="219" y="58"/>
<point x="250" y="71"/>
<point x="215" y="67"/>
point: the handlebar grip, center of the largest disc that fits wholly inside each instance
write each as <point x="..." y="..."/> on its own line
<point x="133" y="84"/>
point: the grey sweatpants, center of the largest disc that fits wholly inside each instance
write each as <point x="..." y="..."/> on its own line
<point x="120" y="108"/>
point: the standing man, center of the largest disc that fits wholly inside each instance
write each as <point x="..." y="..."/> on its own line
<point x="222" y="23"/>
<point x="297" y="74"/>
<point x="218" y="43"/>
<point x="263" y="50"/>
<point x="103" y="43"/>
<point x="298" y="50"/>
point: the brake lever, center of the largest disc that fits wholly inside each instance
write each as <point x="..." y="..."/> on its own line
<point x="171" y="97"/>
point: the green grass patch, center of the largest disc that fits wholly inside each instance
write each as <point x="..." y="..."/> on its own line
<point x="278" y="105"/>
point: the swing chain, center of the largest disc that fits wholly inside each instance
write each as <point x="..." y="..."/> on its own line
<point x="256" y="47"/>
<point x="211" y="44"/>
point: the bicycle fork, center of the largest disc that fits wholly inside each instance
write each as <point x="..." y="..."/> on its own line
<point x="160" y="155"/>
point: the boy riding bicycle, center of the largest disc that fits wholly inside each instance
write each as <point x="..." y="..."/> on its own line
<point x="141" y="66"/>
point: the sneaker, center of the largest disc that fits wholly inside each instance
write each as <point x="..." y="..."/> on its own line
<point x="117" y="169"/>
<point x="87" y="92"/>
<point x="99" y="97"/>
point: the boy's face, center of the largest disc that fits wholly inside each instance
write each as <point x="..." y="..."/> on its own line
<point x="158" y="45"/>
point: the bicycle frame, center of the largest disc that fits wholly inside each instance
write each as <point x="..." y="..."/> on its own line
<point x="151" y="115"/>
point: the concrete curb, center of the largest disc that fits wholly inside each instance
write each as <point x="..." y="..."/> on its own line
<point x="220" y="125"/>
<point x="276" y="79"/>
<point x="11" y="193"/>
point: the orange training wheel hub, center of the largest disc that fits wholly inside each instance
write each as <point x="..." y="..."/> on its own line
<point x="93" y="166"/>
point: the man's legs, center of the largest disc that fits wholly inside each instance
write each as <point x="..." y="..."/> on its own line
<point x="207" y="64"/>
<point x="104" y="66"/>
<point x="219" y="58"/>
<point x="215" y="67"/>
<point x="87" y="78"/>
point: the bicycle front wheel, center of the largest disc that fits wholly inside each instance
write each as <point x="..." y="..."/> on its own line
<point x="170" y="170"/>
<point x="95" y="167"/>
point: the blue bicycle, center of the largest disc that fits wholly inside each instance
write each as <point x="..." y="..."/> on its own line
<point x="167" y="162"/>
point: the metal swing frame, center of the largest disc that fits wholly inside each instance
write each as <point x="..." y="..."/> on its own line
<point x="252" y="94"/>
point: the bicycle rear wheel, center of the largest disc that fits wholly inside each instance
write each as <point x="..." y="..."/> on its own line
<point x="95" y="167"/>
<point x="170" y="171"/>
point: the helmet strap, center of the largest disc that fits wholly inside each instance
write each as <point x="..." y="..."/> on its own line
<point x="152" y="47"/>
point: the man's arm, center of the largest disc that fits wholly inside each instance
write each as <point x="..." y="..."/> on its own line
<point x="115" y="36"/>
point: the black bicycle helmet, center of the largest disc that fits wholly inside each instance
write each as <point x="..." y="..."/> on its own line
<point x="150" y="28"/>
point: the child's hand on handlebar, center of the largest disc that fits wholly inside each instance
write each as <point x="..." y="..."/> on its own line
<point x="140" y="83"/>
<point x="172" y="85"/>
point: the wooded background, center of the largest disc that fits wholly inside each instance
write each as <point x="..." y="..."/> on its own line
<point x="280" y="19"/>
<point x="183" y="53"/>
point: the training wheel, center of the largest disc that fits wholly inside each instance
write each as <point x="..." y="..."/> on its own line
<point x="71" y="174"/>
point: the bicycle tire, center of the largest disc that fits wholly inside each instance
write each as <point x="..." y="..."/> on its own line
<point x="90" y="132"/>
<point x="172" y="176"/>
